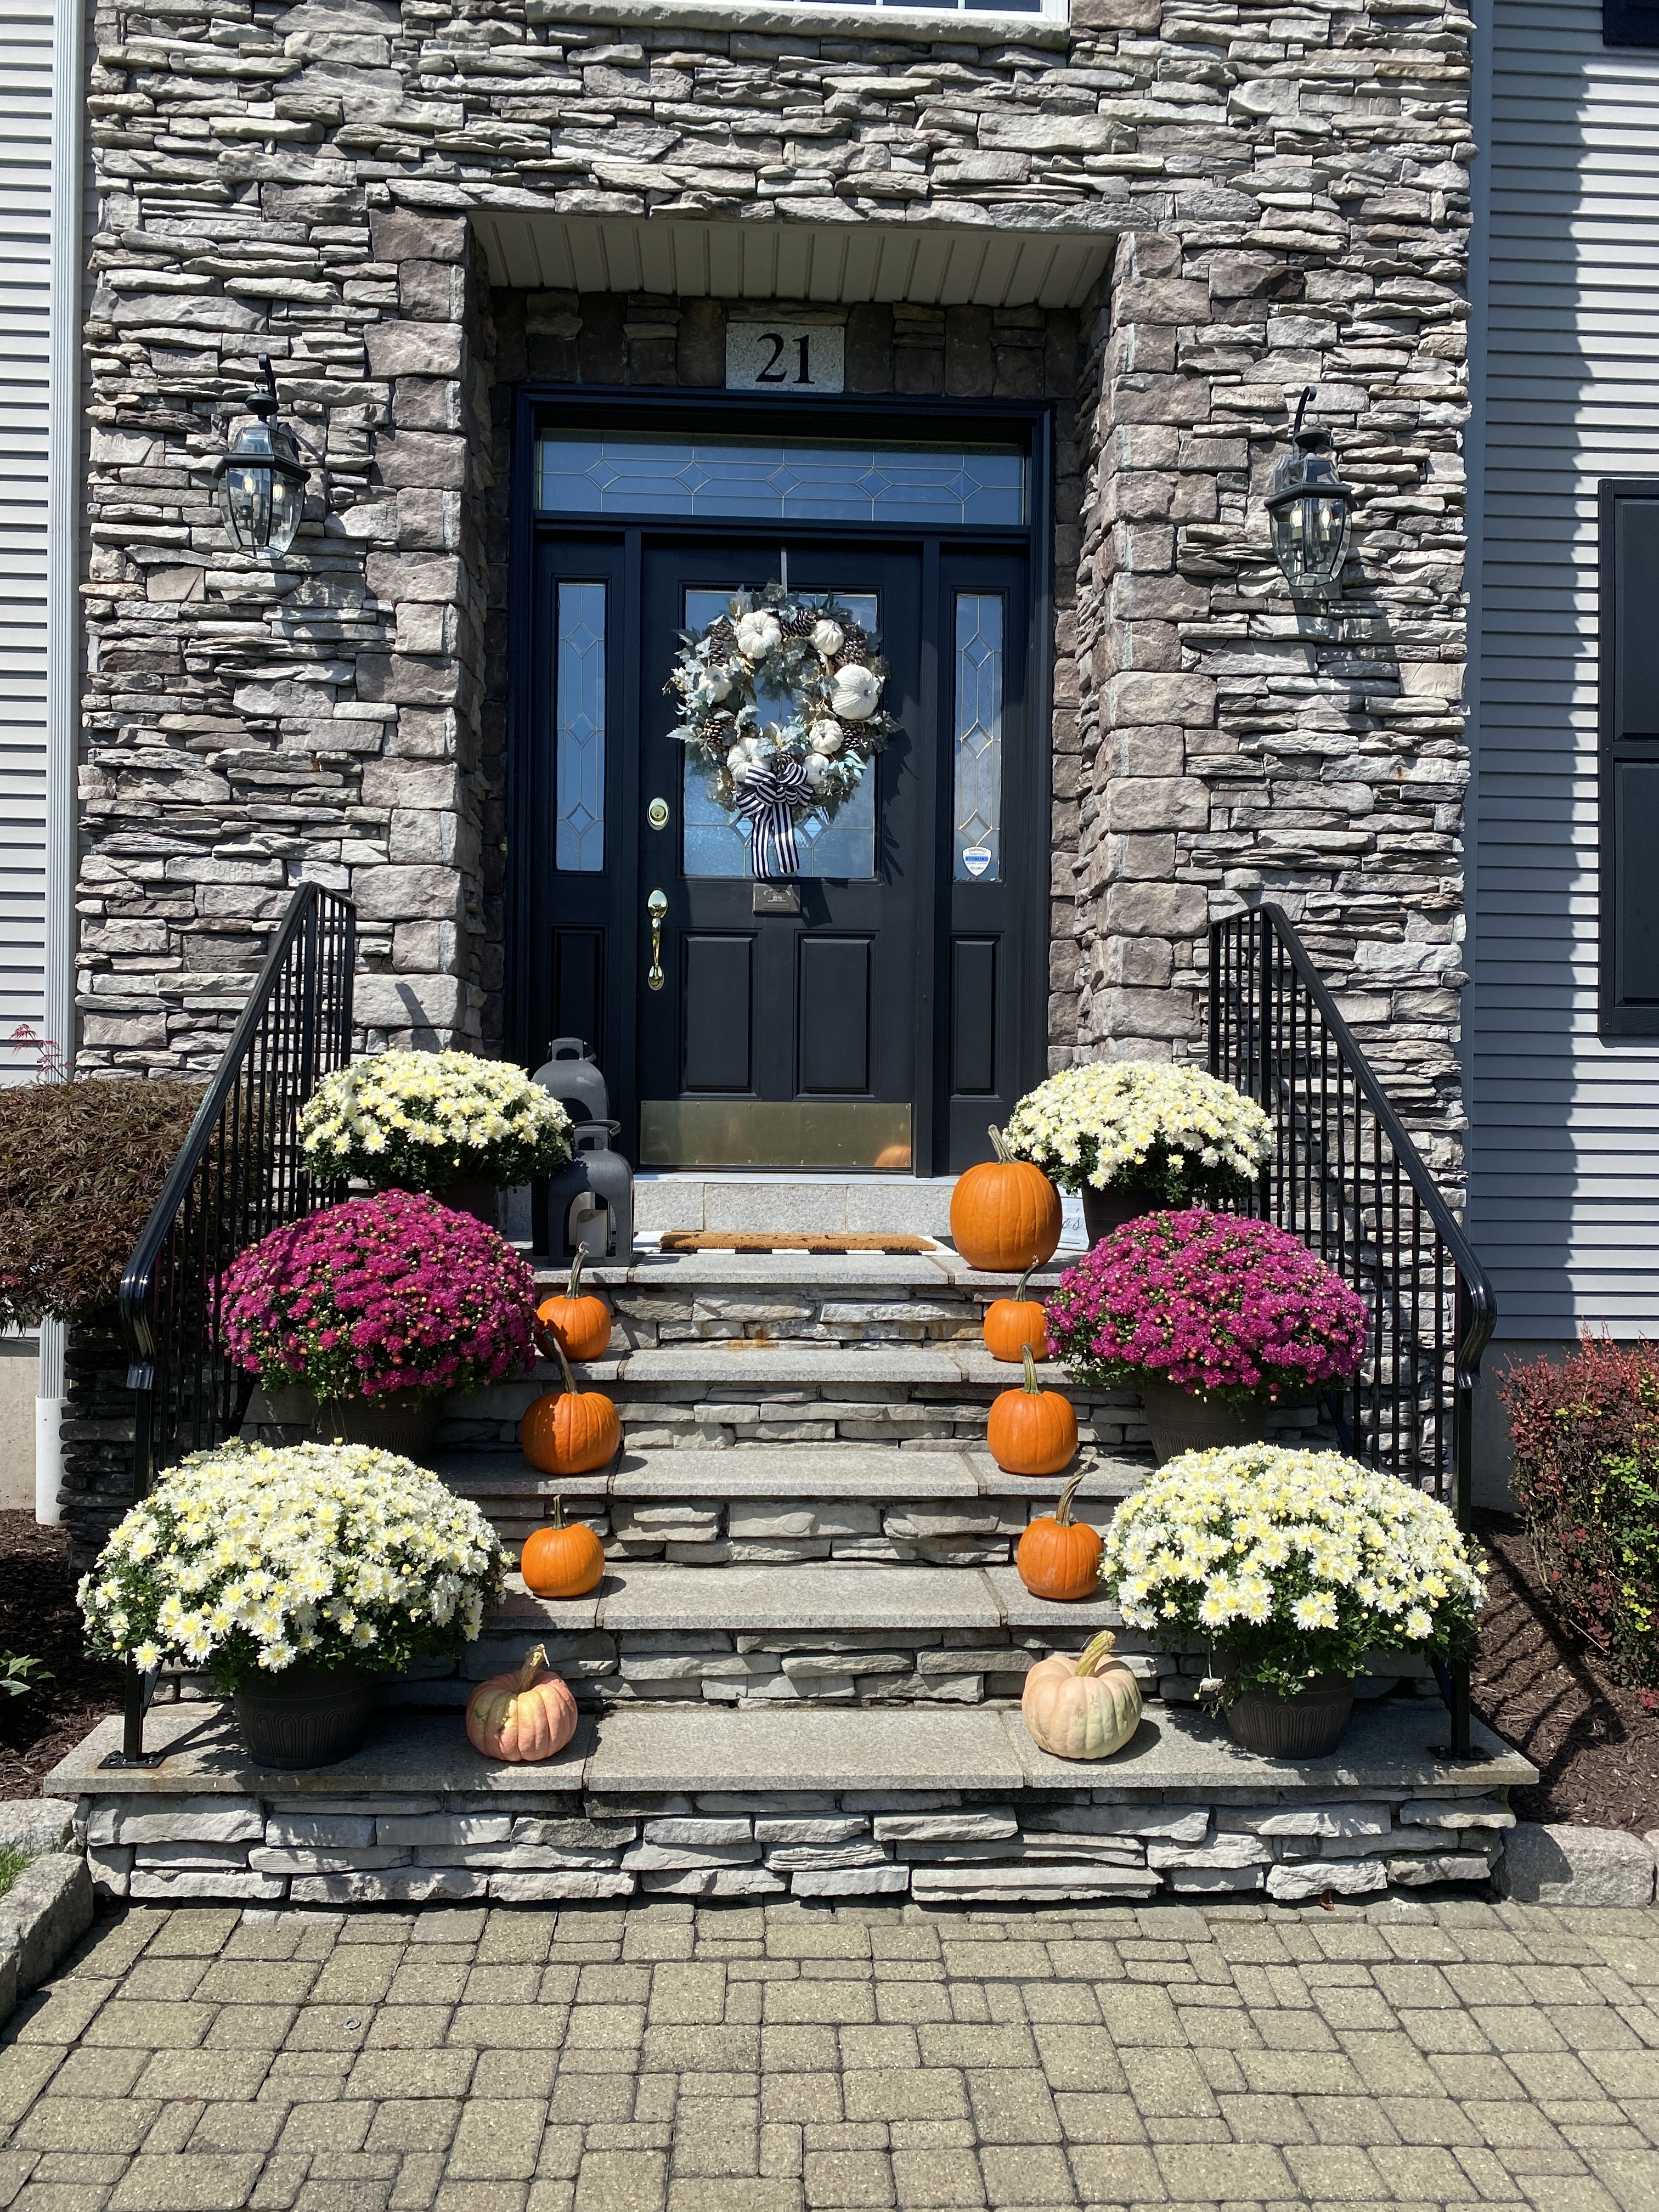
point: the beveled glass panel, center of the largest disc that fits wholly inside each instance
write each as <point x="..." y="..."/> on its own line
<point x="977" y="818"/>
<point x="944" y="487"/>
<point x="764" y="1133"/>
<point x="716" y="845"/>
<point x="579" y="724"/>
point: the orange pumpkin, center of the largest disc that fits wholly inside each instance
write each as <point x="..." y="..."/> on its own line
<point x="570" y="1431"/>
<point x="580" y="1321"/>
<point x="1005" y="1214"/>
<point x="1031" y="1430"/>
<point x="1012" y="1323"/>
<point x="1059" y="1558"/>
<point x="524" y="1716"/>
<point x="567" y="1560"/>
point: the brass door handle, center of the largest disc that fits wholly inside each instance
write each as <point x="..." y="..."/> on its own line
<point x="657" y="907"/>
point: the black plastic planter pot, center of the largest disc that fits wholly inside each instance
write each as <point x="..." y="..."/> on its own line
<point x="1181" y="1421"/>
<point x="1307" y="1726"/>
<point x="305" y="1715"/>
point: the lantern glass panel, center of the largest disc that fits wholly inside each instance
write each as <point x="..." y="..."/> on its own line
<point x="1310" y="537"/>
<point x="263" y="505"/>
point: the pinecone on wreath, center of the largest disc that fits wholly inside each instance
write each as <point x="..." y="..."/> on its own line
<point x="800" y="623"/>
<point x="855" y="651"/>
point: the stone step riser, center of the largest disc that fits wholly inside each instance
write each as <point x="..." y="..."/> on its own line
<point x="702" y="1532"/>
<point x="941" y="1847"/>
<point x="715" y="1417"/>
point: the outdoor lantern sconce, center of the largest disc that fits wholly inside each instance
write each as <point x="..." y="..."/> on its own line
<point x="1307" y="511"/>
<point x="262" y="479"/>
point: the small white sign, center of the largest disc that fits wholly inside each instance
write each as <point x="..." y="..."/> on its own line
<point x="797" y="358"/>
<point x="976" y="858"/>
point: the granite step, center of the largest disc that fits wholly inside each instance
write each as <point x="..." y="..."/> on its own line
<point x="818" y="1634"/>
<point x="755" y="1391"/>
<point x="792" y="1199"/>
<point x="647" y="1595"/>
<point x="782" y="1502"/>
<point x="947" y="1807"/>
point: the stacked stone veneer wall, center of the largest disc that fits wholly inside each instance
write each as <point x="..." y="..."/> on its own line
<point x="1288" y="195"/>
<point x="939" y="1847"/>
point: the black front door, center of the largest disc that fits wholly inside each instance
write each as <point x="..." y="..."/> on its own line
<point x="778" y="1022"/>
<point x="878" y="1010"/>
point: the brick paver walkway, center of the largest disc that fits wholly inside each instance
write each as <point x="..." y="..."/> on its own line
<point x="662" y="2059"/>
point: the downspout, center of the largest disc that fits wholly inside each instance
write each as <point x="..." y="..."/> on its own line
<point x="63" y="643"/>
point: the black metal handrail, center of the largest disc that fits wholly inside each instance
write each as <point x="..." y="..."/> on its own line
<point x="240" y="1173"/>
<point x="1349" y="1179"/>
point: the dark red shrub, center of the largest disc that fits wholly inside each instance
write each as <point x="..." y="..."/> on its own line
<point x="81" y="1166"/>
<point x="1587" y="1478"/>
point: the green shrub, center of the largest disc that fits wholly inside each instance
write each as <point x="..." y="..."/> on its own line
<point x="13" y="1859"/>
<point x="80" y="1166"/>
<point x="1587" y="1477"/>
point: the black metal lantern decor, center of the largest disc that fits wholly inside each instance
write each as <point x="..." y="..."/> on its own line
<point x="1307" y="511"/>
<point x="262" y="479"/>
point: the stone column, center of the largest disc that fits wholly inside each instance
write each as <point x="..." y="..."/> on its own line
<point x="419" y="897"/>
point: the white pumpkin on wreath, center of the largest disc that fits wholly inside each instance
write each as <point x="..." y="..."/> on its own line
<point x="811" y="652"/>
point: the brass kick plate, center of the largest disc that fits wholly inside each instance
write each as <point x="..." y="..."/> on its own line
<point x="777" y="898"/>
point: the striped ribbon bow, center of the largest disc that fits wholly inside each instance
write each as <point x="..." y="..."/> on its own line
<point x="770" y="797"/>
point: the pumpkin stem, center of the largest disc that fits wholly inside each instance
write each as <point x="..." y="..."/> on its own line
<point x="1020" y="1293"/>
<point x="1098" y="1649"/>
<point x="558" y="1512"/>
<point x="1063" y="1510"/>
<point x="532" y="1660"/>
<point x="573" y="1288"/>
<point x="564" y="1366"/>
<point x="999" y="1142"/>
<point x="1032" y="1386"/>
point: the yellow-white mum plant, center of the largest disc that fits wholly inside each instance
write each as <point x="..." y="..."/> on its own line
<point x="249" y="1560"/>
<point x="418" y="1121"/>
<point x="1141" y="1125"/>
<point x="1291" y="1563"/>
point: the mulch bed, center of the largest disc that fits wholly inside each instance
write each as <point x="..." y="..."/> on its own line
<point x="1595" y="1747"/>
<point x="38" y="1617"/>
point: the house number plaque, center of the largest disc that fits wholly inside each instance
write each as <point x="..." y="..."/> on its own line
<point x="798" y="360"/>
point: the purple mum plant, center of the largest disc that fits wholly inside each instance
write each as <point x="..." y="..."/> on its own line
<point x="1208" y="1301"/>
<point x="393" y="1294"/>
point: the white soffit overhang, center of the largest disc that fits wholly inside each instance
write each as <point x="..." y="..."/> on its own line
<point x="535" y="250"/>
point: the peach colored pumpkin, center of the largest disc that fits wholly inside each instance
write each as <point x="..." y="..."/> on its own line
<point x="1005" y="1214"/>
<point x="1059" y="1558"/>
<point x="564" y="1560"/>
<point x="1012" y="1323"/>
<point x="1031" y="1430"/>
<point x="522" y="1718"/>
<point x="579" y="1320"/>
<point x="569" y="1432"/>
<point x="1083" y="1708"/>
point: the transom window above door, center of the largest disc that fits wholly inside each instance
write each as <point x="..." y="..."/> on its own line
<point x="734" y="479"/>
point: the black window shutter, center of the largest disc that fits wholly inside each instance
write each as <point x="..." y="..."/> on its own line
<point x="1628" y="23"/>
<point x="1629" y="780"/>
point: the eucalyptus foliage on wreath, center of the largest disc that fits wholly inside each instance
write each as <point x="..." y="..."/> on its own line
<point x="811" y="652"/>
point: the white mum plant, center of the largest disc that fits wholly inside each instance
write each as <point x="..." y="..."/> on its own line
<point x="418" y="1121"/>
<point x="249" y="1560"/>
<point x="1141" y="1125"/>
<point x="1293" y="1563"/>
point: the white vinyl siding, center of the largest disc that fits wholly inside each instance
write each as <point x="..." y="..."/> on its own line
<point x="1564" y="1152"/>
<point x="26" y="30"/>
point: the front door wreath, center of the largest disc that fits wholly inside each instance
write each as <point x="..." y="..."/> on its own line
<point x="812" y="653"/>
